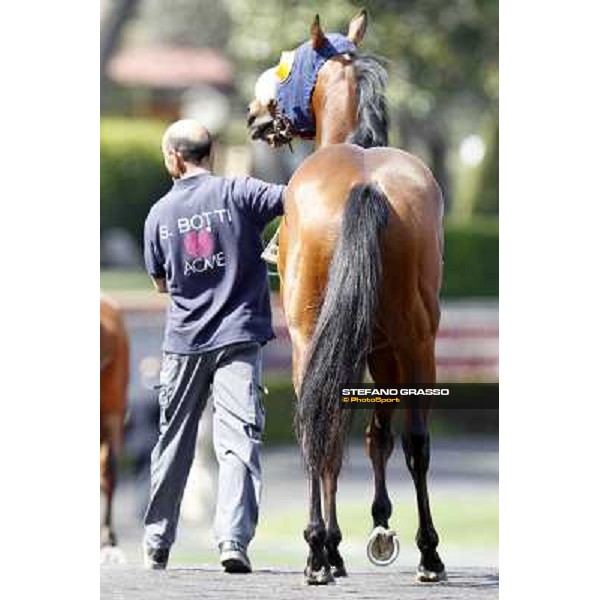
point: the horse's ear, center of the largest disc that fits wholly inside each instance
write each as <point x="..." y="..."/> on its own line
<point x="317" y="37"/>
<point x="358" y="27"/>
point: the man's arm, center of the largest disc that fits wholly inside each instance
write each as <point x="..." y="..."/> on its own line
<point x="264" y="201"/>
<point x="153" y="257"/>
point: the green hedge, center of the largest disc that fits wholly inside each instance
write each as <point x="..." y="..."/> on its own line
<point x="132" y="173"/>
<point x="470" y="258"/>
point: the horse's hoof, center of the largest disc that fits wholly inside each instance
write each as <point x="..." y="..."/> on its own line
<point x="426" y="576"/>
<point x="383" y="547"/>
<point x="336" y="563"/>
<point x="321" y="577"/>
<point x="339" y="571"/>
<point x="107" y="537"/>
<point x="111" y="555"/>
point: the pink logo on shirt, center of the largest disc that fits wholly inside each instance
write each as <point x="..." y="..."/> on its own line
<point x="199" y="243"/>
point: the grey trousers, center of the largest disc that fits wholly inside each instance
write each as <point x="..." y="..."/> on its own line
<point x="233" y="375"/>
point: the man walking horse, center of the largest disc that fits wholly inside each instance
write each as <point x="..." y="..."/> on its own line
<point x="360" y="262"/>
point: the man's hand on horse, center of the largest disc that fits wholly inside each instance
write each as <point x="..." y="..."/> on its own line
<point x="160" y="285"/>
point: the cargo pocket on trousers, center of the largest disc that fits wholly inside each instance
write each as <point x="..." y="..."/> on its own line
<point x="170" y="373"/>
<point x="256" y="427"/>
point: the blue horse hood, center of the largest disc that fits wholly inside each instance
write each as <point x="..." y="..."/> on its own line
<point x="295" y="92"/>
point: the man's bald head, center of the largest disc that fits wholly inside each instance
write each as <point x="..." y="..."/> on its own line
<point x="189" y="140"/>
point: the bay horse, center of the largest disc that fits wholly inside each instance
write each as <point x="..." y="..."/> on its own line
<point x="360" y="264"/>
<point x="114" y="377"/>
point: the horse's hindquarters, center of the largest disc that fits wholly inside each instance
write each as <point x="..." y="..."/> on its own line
<point x="411" y="243"/>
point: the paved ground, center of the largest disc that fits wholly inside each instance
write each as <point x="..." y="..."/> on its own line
<point x="464" y="477"/>
<point x="133" y="583"/>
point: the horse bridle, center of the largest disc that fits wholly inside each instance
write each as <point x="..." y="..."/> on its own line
<point x="281" y="133"/>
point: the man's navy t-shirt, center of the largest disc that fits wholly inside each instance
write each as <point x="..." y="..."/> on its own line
<point x="204" y="238"/>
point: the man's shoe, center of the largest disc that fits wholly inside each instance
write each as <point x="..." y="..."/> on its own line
<point x="155" y="559"/>
<point x="234" y="558"/>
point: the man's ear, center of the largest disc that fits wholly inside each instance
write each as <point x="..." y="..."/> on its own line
<point x="179" y="163"/>
<point x="317" y="37"/>
<point x="211" y="156"/>
<point x="358" y="27"/>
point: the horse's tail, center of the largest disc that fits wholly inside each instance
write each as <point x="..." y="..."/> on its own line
<point x="338" y="351"/>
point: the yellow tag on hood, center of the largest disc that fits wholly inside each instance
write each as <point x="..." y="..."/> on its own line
<point x="284" y="68"/>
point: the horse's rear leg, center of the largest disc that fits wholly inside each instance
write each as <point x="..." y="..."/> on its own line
<point x="317" y="571"/>
<point x="333" y="535"/>
<point x="379" y="446"/>
<point x="415" y="442"/>
<point x="416" y="446"/>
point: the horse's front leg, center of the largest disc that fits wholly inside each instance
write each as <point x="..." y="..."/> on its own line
<point x="333" y="535"/>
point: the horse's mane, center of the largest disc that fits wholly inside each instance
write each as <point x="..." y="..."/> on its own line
<point x="371" y="80"/>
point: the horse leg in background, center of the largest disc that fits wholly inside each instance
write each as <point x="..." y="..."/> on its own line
<point x="107" y="486"/>
<point x="111" y="430"/>
<point x="333" y="535"/>
<point x="114" y="377"/>
<point x="379" y="446"/>
<point x="415" y="442"/>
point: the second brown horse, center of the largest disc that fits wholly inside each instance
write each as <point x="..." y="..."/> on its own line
<point x="114" y="377"/>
